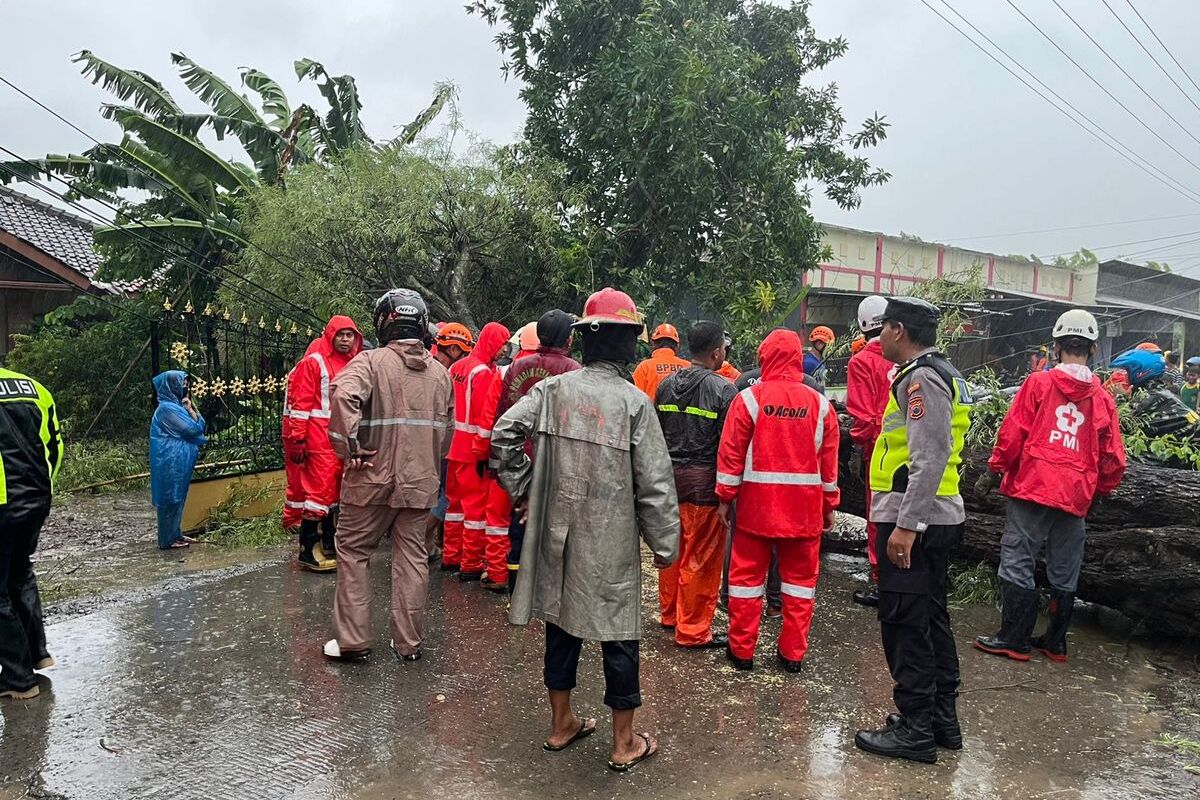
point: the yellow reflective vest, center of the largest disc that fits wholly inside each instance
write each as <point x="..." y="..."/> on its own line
<point x="890" y="459"/>
<point x="30" y="446"/>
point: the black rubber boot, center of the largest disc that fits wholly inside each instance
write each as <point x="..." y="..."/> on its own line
<point x="743" y="664"/>
<point x="309" y="538"/>
<point x="910" y="737"/>
<point x="1053" y="643"/>
<point x="867" y="597"/>
<point x="328" y="536"/>
<point x="1017" y="619"/>
<point x="513" y="570"/>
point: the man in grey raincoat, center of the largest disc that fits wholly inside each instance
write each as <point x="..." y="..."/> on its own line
<point x="601" y="475"/>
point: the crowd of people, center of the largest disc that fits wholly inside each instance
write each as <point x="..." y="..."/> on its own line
<point x="540" y="477"/>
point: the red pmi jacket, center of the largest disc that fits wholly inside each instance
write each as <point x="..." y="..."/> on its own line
<point x="868" y="381"/>
<point x="778" y="451"/>
<point x="306" y="407"/>
<point x="477" y="384"/>
<point x="1060" y="443"/>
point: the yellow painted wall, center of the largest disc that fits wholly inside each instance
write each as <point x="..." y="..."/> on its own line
<point x="204" y="496"/>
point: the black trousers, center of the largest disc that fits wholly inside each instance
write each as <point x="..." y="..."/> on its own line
<point x="22" y="634"/>
<point x="622" y="660"/>
<point x="516" y="539"/>
<point x="914" y="620"/>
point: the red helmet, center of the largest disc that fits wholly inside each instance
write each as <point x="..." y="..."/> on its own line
<point x="665" y="331"/>
<point x="609" y="307"/>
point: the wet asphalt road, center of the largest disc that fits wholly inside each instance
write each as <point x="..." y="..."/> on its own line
<point x="214" y="687"/>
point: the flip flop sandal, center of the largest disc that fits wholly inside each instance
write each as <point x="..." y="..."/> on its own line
<point x="651" y="749"/>
<point x="583" y="732"/>
<point x="179" y="545"/>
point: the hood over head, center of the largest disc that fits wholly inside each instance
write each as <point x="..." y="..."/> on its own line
<point x="170" y="386"/>
<point x="491" y="340"/>
<point x="782" y="356"/>
<point x="1075" y="381"/>
<point x="339" y="322"/>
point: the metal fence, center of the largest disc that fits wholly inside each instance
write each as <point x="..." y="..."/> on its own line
<point x="237" y="368"/>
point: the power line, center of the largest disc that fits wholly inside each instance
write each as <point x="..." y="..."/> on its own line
<point x="1124" y="72"/>
<point x="1135" y="241"/>
<point x="1153" y="58"/>
<point x="1074" y="227"/>
<point x="124" y="229"/>
<point x="1083" y="122"/>
<point x="136" y="167"/>
<point x="1163" y="45"/>
<point x="103" y="298"/>
<point x="1101" y="86"/>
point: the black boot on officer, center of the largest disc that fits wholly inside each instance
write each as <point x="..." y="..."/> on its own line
<point x="1053" y="643"/>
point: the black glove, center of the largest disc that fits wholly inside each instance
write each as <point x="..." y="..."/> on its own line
<point x="481" y="468"/>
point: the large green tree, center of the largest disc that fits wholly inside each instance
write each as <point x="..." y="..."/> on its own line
<point x="189" y="198"/>
<point x="475" y="233"/>
<point x="691" y="132"/>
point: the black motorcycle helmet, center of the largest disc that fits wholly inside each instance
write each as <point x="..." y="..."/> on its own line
<point x="400" y="314"/>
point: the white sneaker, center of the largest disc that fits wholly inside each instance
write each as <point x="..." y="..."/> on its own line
<point x="334" y="652"/>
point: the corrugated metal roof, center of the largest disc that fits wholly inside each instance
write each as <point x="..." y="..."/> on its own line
<point x="57" y="233"/>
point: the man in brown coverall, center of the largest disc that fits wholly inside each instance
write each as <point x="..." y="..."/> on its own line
<point x="390" y="424"/>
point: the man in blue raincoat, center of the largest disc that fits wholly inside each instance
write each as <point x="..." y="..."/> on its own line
<point x="176" y="435"/>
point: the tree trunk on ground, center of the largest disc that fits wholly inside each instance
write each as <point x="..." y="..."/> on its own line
<point x="1143" y="548"/>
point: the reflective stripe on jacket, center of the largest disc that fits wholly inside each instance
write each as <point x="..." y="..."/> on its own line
<point x="307" y="405"/>
<point x="868" y="382"/>
<point x="477" y="383"/>
<point x="30" y="446"/>
<point x="778" y="451"/>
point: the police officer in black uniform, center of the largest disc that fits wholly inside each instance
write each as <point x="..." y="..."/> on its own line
<point x="919" y="511"/>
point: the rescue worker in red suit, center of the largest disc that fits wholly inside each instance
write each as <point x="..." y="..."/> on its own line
<point x="293" y="501"/>
<point x="1059" y="445"/>
<point x="551" y="357"/>
<point x="868" y="381"/>
<point x="306" y="432"/>
<point x="471" y="489"/>
<point x="778" y="458"/>
<point x="691" y="405"/>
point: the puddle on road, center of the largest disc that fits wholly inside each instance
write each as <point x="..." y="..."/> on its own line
<point x="215" y="688"/>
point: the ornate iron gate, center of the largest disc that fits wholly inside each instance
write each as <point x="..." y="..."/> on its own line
<point x="237" y="369"/>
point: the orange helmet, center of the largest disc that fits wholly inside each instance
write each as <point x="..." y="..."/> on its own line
<point x="1151" y="346"/>
<point x="609" y="307"/>
<point x="456" y="333"/>
<point x="527" y="338"/>
<point x="858" y="344"/>
<point x="665" y="331"/>
<point x="821" y="334"/>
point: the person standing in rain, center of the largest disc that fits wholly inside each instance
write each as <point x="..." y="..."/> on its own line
<point x="691" y="407"/>
<point x="392" y="411"/>
<point x="176" y="436"/>
<point x="601" y="484"/>
<point x="31" y="452"/>
<point x="919" y="512"/>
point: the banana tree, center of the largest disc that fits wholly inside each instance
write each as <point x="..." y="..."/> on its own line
<point x="189" y="196"/>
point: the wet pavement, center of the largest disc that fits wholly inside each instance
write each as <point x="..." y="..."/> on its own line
<point x="213" y="686"/>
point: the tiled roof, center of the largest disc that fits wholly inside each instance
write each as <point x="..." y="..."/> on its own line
<point x="57" y="233"/>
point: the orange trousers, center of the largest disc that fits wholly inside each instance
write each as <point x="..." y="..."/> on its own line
<point x="687" y="590"/>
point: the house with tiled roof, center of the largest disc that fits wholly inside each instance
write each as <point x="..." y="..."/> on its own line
<point x="46" y="260"/>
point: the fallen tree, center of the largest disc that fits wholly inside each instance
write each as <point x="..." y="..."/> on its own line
<point x="1143" y="550"/>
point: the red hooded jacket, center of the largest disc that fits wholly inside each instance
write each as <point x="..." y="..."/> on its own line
<point x="1060" y="442"/>
<point x="778" y="451"/>
<point x="868" y="381"/>
<point x="477" y="384"/>
<point x="306" y="408"/>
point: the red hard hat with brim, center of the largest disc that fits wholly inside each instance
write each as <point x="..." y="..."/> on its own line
<point x="609" y="307"/>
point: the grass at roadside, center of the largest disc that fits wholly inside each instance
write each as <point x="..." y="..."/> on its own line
<point x="973" y="585"/>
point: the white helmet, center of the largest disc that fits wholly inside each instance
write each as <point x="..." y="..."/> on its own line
<point x="870" y="313"/>
<point x="1077" y="322"/>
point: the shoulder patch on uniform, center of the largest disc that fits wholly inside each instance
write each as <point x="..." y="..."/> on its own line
<point x="915" y="386"/>
<point x="916" y="407"/>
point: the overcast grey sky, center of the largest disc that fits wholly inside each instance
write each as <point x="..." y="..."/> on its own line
<point x="973" y="152"/>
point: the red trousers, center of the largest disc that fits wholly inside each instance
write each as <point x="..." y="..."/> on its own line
<point x="687" y="590"/>
<point x="799" y="562"/>
<point x="476" y="530"/>
<point x="293" y="497"/>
